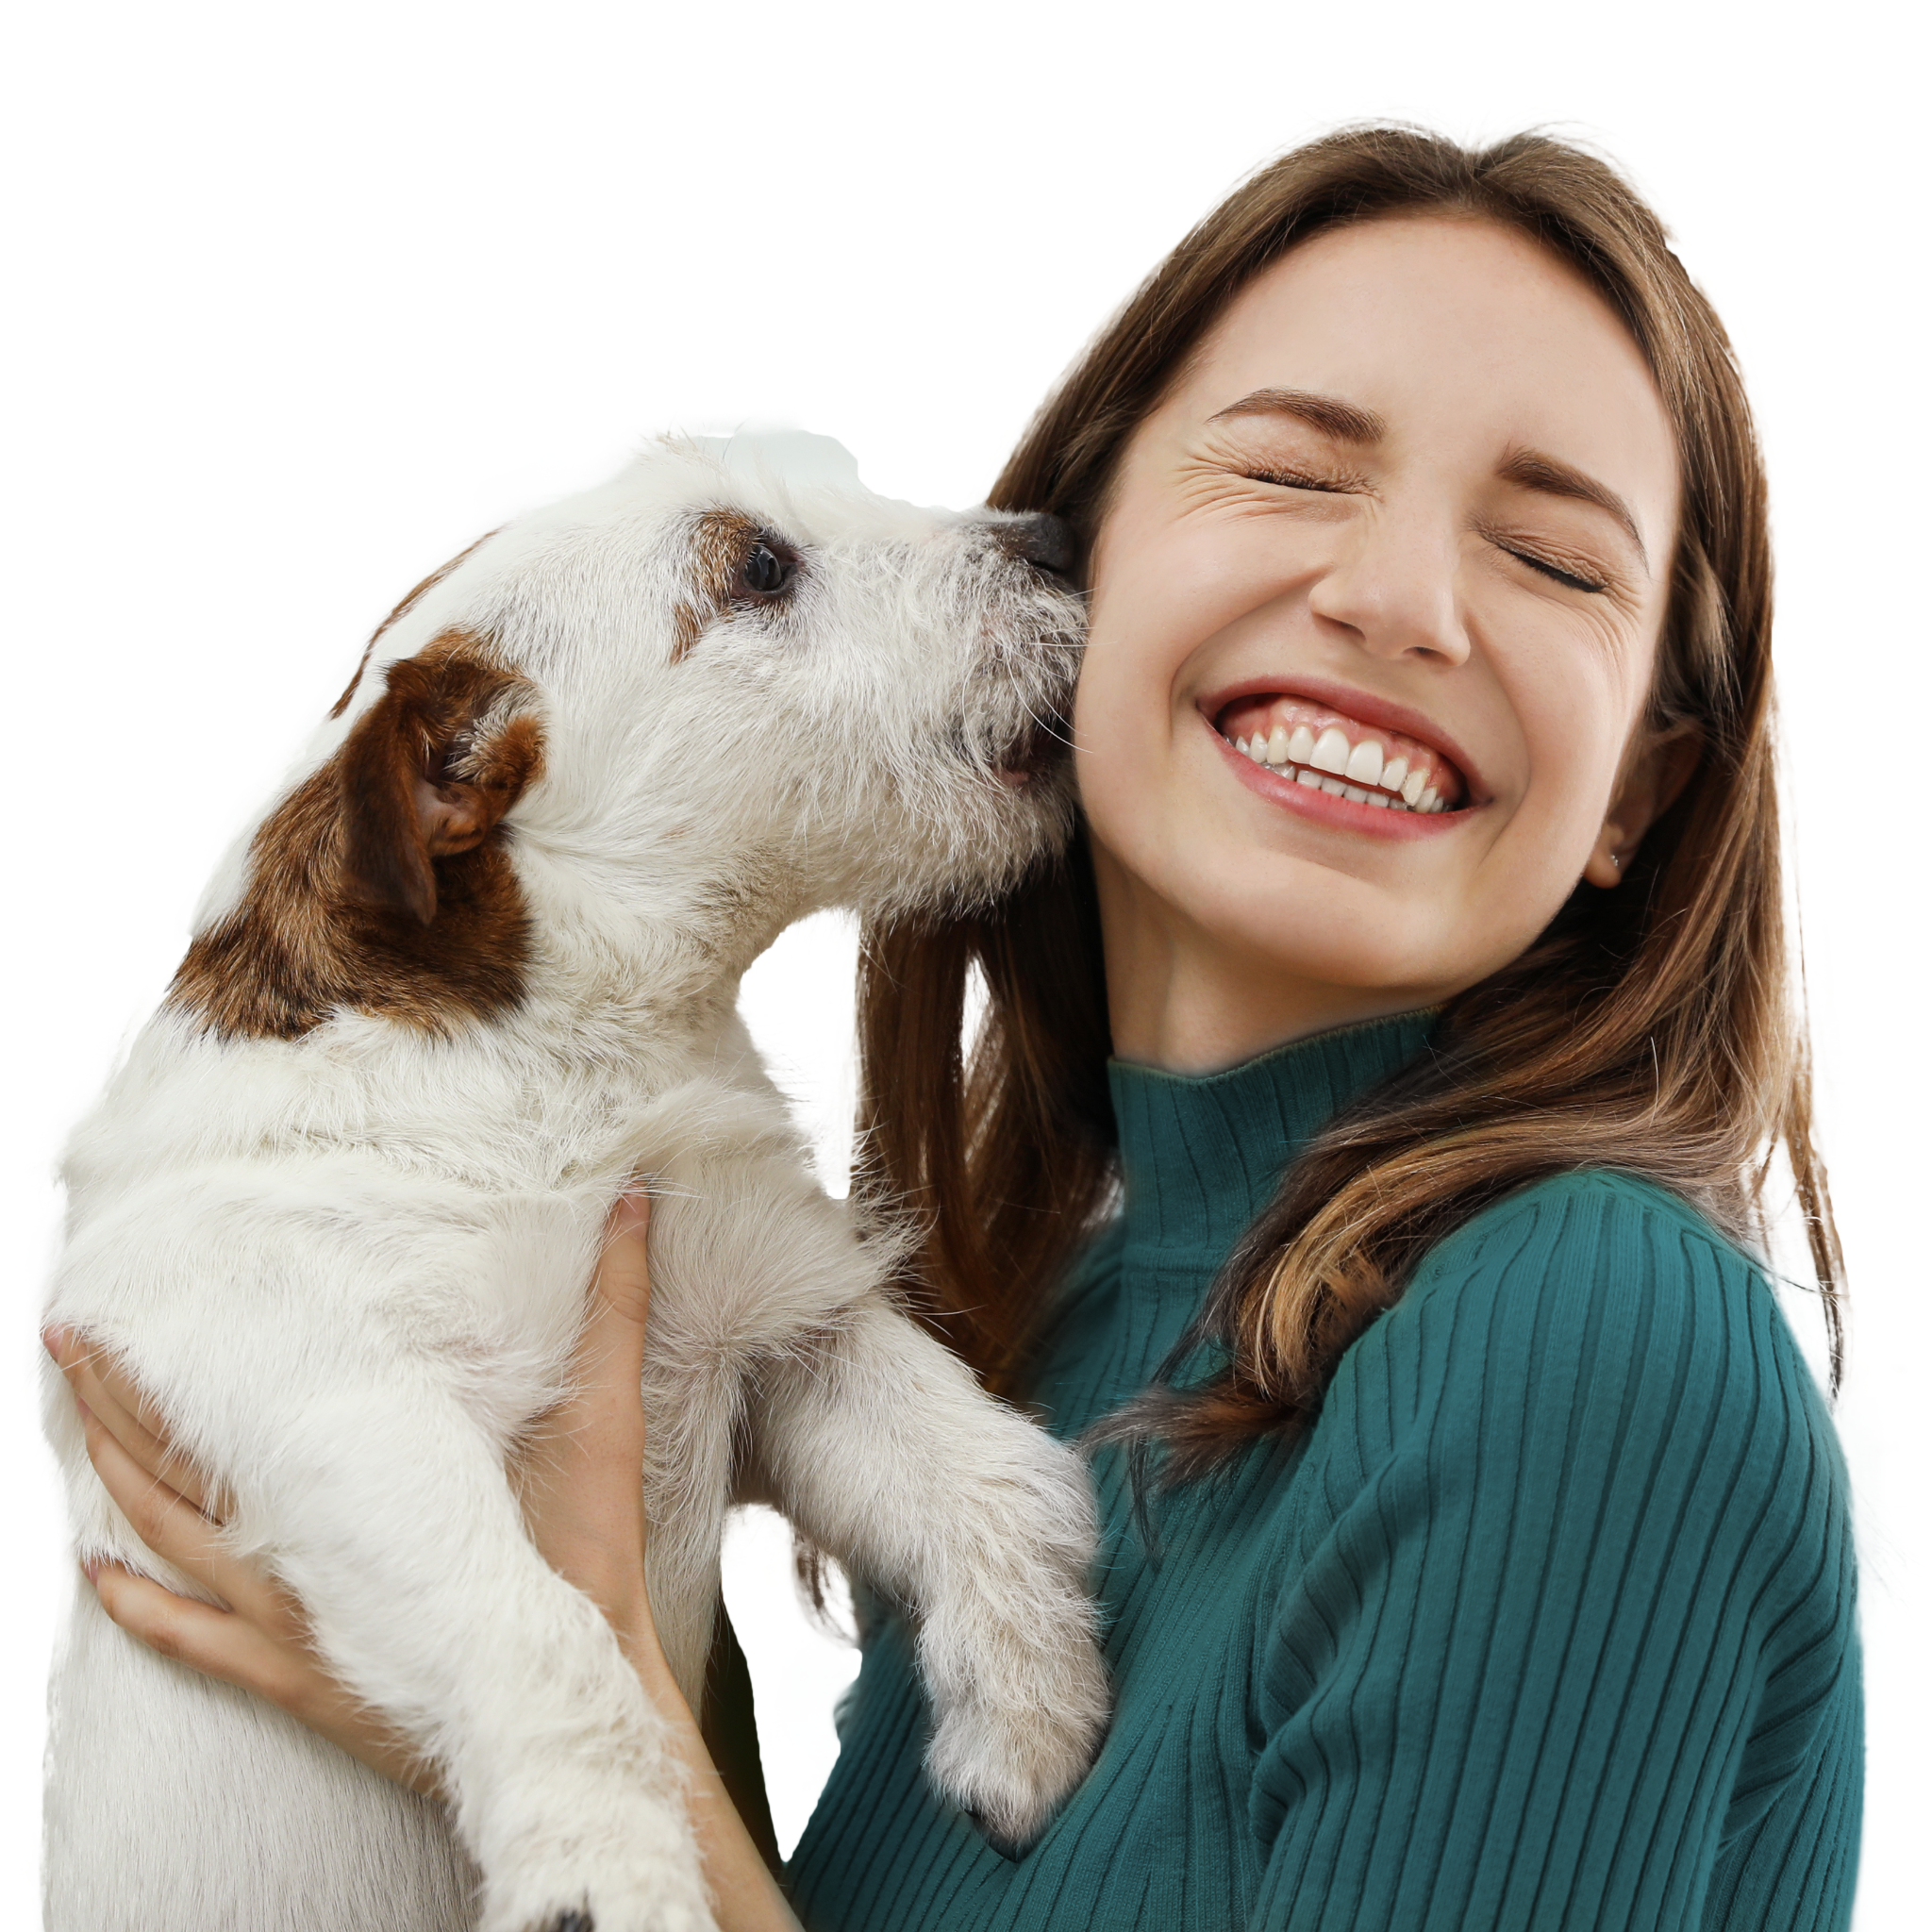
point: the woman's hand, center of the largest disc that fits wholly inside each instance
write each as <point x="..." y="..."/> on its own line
<point x="259" y="1641"/>
<point x="580" y="1475"/>
<point x="581" y="1471"/>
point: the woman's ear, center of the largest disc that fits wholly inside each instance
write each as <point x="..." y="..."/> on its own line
<point x="430" y="769"/>
<point x="1655" y="773"/>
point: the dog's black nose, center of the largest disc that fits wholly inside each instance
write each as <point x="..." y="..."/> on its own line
<point x="1039" y="538"/>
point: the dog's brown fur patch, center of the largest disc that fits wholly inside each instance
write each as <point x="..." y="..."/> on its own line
<point x="403" y="609"/>
<point x="720" y="541"/>
<point x="383" y="882"/>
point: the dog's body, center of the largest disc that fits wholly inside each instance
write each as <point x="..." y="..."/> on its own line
<point x="476" y="968"/>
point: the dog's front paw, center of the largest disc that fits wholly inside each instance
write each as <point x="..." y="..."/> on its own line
<point x="625" y="1865"/>
<point x="1012" y="1750"/>
<point x="664" y="1902"/>
<point x="1011" y="1654"/>
<point x="676" y="1908"/>
<point x="577" y="1919"/>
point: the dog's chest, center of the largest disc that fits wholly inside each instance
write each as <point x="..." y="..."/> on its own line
<point x="457" y="1196"/>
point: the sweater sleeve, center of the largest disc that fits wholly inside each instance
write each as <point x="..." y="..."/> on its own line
<point x="1572" y="1643"/>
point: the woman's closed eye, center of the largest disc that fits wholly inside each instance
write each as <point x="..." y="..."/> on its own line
<point x="1572" y="573"/>
<point x="1284" y="478"/>
<point x="1572" y="578"/>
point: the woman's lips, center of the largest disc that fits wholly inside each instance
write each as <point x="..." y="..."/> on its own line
<point x="1328" y="809"/>
<point x="1340" y="748"/>
<point x="1319" y="746"/>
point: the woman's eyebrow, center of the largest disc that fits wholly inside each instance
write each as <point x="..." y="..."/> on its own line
<point x="1530" y="469"/>
<point x="1346" y="421"/>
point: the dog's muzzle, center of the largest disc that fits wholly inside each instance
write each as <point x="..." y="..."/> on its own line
<point x="1039" y="538"/>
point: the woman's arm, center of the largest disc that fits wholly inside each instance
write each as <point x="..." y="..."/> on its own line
<point x="581" y="1481"/>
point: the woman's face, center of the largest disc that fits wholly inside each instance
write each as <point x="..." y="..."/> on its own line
<point x="1375" y="601"/>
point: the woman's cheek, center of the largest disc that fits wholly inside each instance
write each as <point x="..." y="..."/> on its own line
<point x="1124" y="722"/>
<point x="1534" y="864"/>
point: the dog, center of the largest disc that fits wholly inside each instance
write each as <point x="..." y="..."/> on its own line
<point x="472" y="970"/>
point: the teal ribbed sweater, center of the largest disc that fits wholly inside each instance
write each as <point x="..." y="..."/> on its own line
<point x="1548" y="1623"/>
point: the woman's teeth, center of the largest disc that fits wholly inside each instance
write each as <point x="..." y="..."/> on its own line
<point x="1328" y="763"/>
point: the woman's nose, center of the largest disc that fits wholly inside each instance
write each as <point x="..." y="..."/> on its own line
<point x="1394" y="585"/>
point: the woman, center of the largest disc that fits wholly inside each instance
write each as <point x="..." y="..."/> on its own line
<point x="1477" y="1545"/>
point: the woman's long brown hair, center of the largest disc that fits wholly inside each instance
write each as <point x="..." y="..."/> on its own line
<point x="1652" y="1029"/>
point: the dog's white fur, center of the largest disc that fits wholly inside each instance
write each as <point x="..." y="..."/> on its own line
<point x="350" y="1266"/>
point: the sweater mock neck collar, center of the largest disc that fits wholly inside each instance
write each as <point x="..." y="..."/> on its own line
<point x="1201" y="1155"/>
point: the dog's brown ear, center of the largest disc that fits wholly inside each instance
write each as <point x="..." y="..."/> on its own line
<point x="430" y="769"/>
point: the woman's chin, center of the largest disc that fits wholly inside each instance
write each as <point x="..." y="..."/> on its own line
<point x="1376" y="949"/>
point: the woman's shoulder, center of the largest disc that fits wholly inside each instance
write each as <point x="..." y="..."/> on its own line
<point x="1589" y="1371"/>
<point x="1596" y="1259"/>
<point x="1597" y="1307"/>
<point x="1594" y="1215"/>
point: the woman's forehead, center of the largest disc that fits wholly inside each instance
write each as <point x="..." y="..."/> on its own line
<point x="1457" y="337"/>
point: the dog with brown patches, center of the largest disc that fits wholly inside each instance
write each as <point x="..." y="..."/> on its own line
<point x="472" y="970"/>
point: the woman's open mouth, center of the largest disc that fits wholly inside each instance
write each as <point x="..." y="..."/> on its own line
<point x="1317" y="747"/>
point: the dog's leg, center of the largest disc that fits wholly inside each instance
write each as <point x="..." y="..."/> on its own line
<point x="887" y="1454"/>
<point x="177" y="1804"/>
<point x="384" y="1506"/>
<point x="563" y="1786"/>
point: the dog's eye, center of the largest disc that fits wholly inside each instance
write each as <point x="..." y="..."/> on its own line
<point x="766" y="571"/>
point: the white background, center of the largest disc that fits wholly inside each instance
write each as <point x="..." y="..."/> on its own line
<point x="303" y="300"/>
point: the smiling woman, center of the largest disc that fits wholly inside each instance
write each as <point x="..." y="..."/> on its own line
<point x="1406" y="1041"/>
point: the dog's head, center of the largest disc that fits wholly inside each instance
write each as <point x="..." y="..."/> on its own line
<point x="730" y="686"/>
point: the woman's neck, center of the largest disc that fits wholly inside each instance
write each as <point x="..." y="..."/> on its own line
<point x="1188" y="1001"/>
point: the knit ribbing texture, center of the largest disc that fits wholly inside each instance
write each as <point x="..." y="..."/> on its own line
<point x="1547" y="1624"/>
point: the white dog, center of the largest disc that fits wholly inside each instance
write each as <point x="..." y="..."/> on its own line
<point x="475" y="967"/>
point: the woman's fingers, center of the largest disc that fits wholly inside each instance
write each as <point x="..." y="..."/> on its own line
<point x="581" y="1471"/>
<point x="622" y="1282"/>
<point x="181" y="1534"/>
<point x="220" y="1643"/>
<point x="609" y="1362"/>
<point x="101" y="1384"/>
<point x="277" y="1666"/>
<point x="260" y="1641"/>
